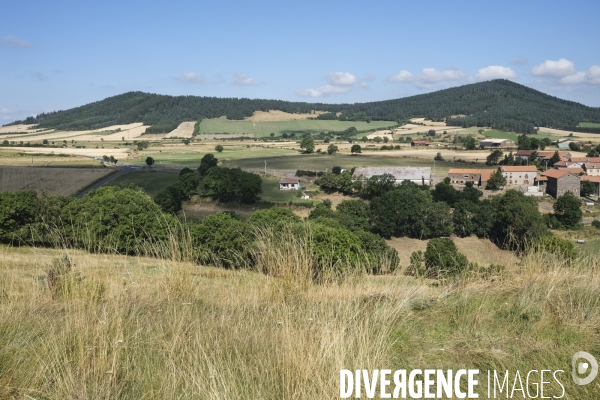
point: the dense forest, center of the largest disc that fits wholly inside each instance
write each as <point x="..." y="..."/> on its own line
<point x="500" y="104"/>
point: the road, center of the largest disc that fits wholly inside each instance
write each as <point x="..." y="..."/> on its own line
<point x="104" y="181"/>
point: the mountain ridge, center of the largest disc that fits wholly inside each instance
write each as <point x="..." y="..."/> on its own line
<point x="500" y="104"/>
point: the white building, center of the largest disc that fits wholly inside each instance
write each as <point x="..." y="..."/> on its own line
<point x="289" y="184"/>
<point x="419" y="175"/>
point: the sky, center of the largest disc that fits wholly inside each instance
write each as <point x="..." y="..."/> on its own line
<point x="63" y="54"/>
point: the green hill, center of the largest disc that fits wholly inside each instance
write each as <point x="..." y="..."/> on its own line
<point x="499" y="104"/>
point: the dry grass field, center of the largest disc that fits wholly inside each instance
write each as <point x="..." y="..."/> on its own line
<point x="184" y="130"/>
<point x="14" y="158"/>
<point x="110" y="133"/>
<point x="57" y="181"/>
<point x="133" y="327"/>
<point x="276" y="115"/>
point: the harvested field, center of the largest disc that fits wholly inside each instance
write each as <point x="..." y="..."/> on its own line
<point x="558" y="132"/>
<point x="57" y="181"/>
<point x="276" y="115"/>
<point x="20" y="159"/>
<point x="15" y="128"/>
<point x="128" y="131"/>
<point x="184" y="130"/>
<point x="118" y="153"/>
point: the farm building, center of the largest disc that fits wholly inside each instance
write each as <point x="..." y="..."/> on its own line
<point x="519" y="175"/>
<point x="561" y="181"/>
<point x="419" y="175"/>
<point x="461" y="176"/>
<point x="289" y="184"/>
<point x="565" y="143"/>
<point x="542" y="155"/>
<point x="497" y="143"/>
<point x="595" y="180"/>
<point x="592" y="169"/>
<point x="420" y="143"/>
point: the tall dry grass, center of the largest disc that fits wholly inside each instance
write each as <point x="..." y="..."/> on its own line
<point x="157" y="328"/>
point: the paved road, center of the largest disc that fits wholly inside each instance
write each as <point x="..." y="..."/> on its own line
<point x="104" y="181"/>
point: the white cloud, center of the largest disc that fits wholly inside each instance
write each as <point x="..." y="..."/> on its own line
<point x="402" y="76"/>
<point x="593" y="74"/>
<point x="190" y="77"/>
<point x="7" y="114"/>
<point x="341" y="79"/>
<point x="432" y="75"/>
<point x="326" y="90"/>
<point x="557" y="69"/>
<point x="244" y="80"/>
<point x="577" y="77"/>
<point x="12" y="41"/>
<point x="495" y="72"/>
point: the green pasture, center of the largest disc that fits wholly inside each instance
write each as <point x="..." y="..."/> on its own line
<point x="271" y="192"/>
<point x="316" y="162"/>
<point x="192" y="159"/>
<point x="151" y="181"/>
<point x="262" y="129"/>
<point x="589" y="125"/>
<point x="492" y="133"/>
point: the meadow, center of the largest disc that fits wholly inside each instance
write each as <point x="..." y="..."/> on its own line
<point x="321" y="162"/>
<point x="133" y="327"/>
<point x="151" y="181"/>
<point x="589" y="125"/>
<point x="265" y="128"/>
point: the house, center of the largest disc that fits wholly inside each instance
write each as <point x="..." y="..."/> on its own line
<point x="561" y="181"/>
<point x="592" y="169"/>
<point x="479" y="177"/>
<point x="524" y="154"/>
<point x="419" y="175"/>
<point x="519" y="175"/>
<point x="420" y="143"/>
<point x="491" y="143"/>
<point x="289" y="184"/>
<point x="595" y="180"/>
<point x="585" y="159"/>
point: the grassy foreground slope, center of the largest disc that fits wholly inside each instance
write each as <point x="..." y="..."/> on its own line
<point x="132" y="327"/>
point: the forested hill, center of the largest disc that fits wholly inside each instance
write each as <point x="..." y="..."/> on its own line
<point x="500" y="104"/>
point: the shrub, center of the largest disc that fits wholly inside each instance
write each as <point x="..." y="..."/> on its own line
<point x="596" y="223"/>
<point x="441" y="259"/>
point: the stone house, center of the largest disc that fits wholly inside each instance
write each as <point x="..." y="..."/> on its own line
<point x="479" y="177"/>
<point x="561" y="181"/>
<point x="592" y="169"/>
<point x="418" y="175"/>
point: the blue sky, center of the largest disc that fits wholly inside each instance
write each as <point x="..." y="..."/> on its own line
<point x="58" y="55"/>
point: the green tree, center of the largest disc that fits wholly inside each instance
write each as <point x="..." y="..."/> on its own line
<point x="332" y="149"/>
<point x="401" y="212"/>
<point x="187" y="184"/>
<point x="354" y="215"/>
<point x="185" y="170"/>
<point x="169" y="200"/>
<point x="275" y="216"/>
<point x="222" y="239"/>
<point x="308" y="144"/>
<point x="219" y="148"/>
<point x="206" y="163"/>
<point x="149" y="161"/>
<point x="464" y="218"/>
<point x="494" y="157"/>
<point x="113" y="218"/>
<point x="567" y="210"/>
<point x="518" y="222"/>
<point x="356" y="149"/>
<point x="587" y="188"/>
<point x="442" y="259"/>
<point x="555" y="158"/>
<point x="438" y="157"/>
<point x="232" y="184"/>
<point x="496" y="181"/>
<point x="524" y="143"/>
<point x="574" y="146"/>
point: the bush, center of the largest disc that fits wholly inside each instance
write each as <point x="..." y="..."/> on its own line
<point x="596" y="223"/>
<point x="440" y="260"/>
<point x="555" y="245"/>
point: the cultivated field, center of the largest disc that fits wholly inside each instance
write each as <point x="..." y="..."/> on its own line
<point x="276" y="115"/>
<point x="57" y="181"/>
<point x="15" y="158"/>
<point x="119" y="153"/>
<point x="298" y="126"/>
<point x="110" y="133"/>
<point x="589" y="125"/>
<point x="594" y="137"/>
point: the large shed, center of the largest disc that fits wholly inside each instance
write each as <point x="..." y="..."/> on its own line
<point x="419" y="175"/>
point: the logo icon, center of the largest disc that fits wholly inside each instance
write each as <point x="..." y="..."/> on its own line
<point x="580" y="367"/>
